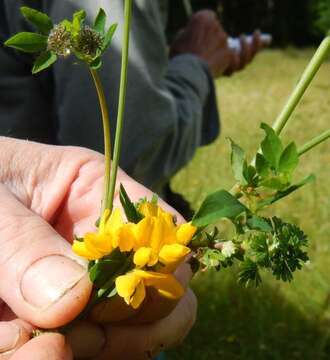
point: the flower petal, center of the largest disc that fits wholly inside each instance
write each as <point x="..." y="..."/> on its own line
<point x="138" y="296"/>
<point x="126" y="238"/>
<point x="142" y="232"/>
<point x="80" y="249"/>
<point x="98" y="242"/>
<point x="115" y="222"/>
<point x="126" y="285"/>
<point x="185" y="233"/>
<point x="148" y="209"/>
<point x="173" y="253"/>
<point x="145" y="256"/>
<point x="166" y="284"/>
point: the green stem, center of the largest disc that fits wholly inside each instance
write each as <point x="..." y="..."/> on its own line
<point x="122" y="98"/>
<point x="314" y="142"/>
<point x="308" y="75"/>
<point x="107" y="138"/>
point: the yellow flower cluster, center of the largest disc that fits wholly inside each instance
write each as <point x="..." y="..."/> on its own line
<point x="158" y="246"/>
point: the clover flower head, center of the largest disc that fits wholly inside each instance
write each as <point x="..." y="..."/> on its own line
<point x="59" y="41"/>
<point x="88" y="41"/>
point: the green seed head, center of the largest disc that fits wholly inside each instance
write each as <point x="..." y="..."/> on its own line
<point x="59" y="41"/>
<point x="88" y="42"/>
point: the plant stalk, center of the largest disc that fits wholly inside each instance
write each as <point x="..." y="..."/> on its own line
<point x="305" y="80"/>
<point x="121" y="104"/>
<point x="107" y="138"/>
<point x="314" y="142"/>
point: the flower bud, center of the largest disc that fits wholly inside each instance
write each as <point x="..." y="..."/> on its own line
<point x="59" y="41"/>
<point x="88" y="42"/>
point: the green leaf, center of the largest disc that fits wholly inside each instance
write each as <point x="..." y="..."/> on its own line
<point x="113" y="292"/>
<point x="271" y="146"/>
<point x="249" y="273"/>
<point x="108" y="37"/>
<point x="96" y="63"/>
<point x="28" y="42"/>
<point x="67" y="24"/>
<point x="289" y="159"/>
<point x="238" y="162"/>
<point x="258" y="223"/>
<point x="77" y="21"/>
<point x="40" y="20"/>
<point x="105" y="268"/>
<point x="130" y="210"/>
<point x="249" y="173"/>
<point x="275" y="182"/>
<point x="100" y="20"/>
<point x="261" y="165"/>
<point x="216" y="206"/>
<point x="44" y="61"/>
<point x="281" y="194"/>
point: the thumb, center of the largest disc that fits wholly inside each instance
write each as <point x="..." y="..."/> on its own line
<point x="41" y="280"/>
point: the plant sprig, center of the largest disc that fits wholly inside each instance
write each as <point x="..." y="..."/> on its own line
<point x="258" y="242"/>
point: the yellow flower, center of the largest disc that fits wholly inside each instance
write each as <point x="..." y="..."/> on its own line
<point x="132" y="286"/>
<point x="97" y="245"/>
<point x="157" y="238"/>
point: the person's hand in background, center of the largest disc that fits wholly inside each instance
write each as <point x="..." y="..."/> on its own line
<point x="48" y="194"/>
<point x="205" y="38"/>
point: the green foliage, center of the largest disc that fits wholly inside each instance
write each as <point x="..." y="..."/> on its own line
<point x="41" y="21"/>
<point x="289" y="159"/>
<point x="249" y="273"/>
<point x="281" y="194"/>
<point x="108" y="37"/>
<point x="322" y="21"/>
<point x="273" y="170"/>
<point x="77" y="23"/>
<point x="238" y="162"/>
<point x="271" y="147"/>
<point x="104" y="269"/>
<point x="218" y="205"/>
<point x="100" y="20"/>
<point x="130" y="209"/>
<point x="44" y="60"/>
<point x="255" y="222"/>
<point x="88" y="44"/>
<point x="286" y="254"/>
<point x="28" y="42"/>
<point x="264" y="244"/>
<point x="262" y="167"/>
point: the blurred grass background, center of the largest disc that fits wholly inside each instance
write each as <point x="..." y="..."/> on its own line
<point x="276" y="321"/>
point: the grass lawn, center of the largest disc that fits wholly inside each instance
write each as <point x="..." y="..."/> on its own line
<point x="276" y="321"/>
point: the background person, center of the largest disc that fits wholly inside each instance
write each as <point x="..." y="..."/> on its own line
<point x="171" y="105"/>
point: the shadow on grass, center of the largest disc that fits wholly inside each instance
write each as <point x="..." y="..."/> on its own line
<point x="237" y="323"/>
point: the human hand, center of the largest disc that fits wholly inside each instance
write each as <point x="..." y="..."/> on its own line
<point x="205" y="38"/>
<point x="47" y="194"/>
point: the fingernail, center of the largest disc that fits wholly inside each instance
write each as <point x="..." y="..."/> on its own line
<point x="9" y="336"/>
<point x="49" y="279"/>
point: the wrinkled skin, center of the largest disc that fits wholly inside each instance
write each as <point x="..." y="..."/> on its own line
<point x="48" y="194"/>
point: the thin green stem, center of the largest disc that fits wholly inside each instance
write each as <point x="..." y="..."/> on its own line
<point x="305" y="80"/>
<point x="122" y="98"/>
<point x="314" y="142"/>
<point x="107" y="138"/>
